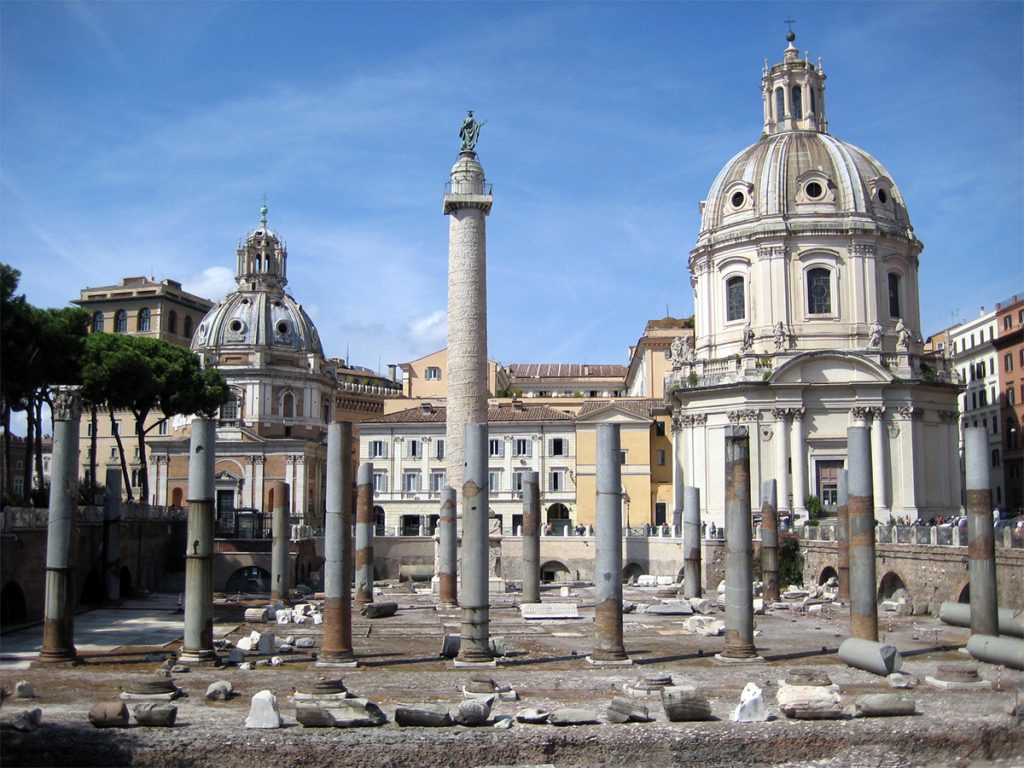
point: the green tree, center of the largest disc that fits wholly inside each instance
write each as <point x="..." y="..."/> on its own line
<point x="143" y="375"/>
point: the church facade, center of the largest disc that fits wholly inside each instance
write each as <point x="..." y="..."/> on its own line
<point x="805" y="280"/>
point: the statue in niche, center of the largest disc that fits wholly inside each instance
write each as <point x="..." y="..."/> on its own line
<point x="748" y="338"/>
<point x="781" y="337"/>
<point x="875" y="341"/>
<point x="470" y="132"/>
<point x="902" y="336"/>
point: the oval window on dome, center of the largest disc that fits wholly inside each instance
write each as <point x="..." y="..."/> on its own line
<point x="282" y="328"/>
<point x="814" y="190"/>
<point x="883" y="196"/>
<point x="236" y="326"/>
<point x="738" y="199"/>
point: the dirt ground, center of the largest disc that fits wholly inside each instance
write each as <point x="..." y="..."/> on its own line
<point x="400" y="663"/>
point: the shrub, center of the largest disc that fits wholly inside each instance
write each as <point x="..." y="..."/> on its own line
<point x="791" y="562"/>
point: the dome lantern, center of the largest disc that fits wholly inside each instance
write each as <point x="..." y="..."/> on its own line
<point x="793" y="94"/>
<point x="262" y="259"/>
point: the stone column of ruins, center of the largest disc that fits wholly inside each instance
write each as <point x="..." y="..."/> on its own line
<point x="531" y="537"/>
<point x="337" y="642"/>
<point x="691" y="542"/>
<point x="448" y="537"/>
<point x="475" y="636"/>
<point x="279" y="582"/>
<point x="197" y="646"/>
<point x="61" y="528"/>
<point x="981" y="552"/>
<point x="112" y="534"/>
<point x="364" y="535"/>
<point x="861" y="507"/>
<point x="843" y="534"/>
<point x="739" y="566"/>
<point x="678" y="477"/>
<point x="769" y="540"/>
<point x="608" y="645"/>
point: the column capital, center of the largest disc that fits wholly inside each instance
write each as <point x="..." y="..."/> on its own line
<point x="797" y="413"/>
<point x="906" y="411"/>
<point x="745" y="414"/>
<point x="878" y="412"/>
<point x="860" y="413"/>
<point x="780" y="414"/>
<point x="67" y="403"/>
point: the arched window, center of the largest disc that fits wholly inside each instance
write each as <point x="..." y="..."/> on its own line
<point x="144" y="318"/>
<point x="798" y="107"/>
<point x="819" y="291"/>
<point x="288" y="405"/>
<point x="121" y="321"/>
<point x="894" y="295"/>
<point x="735" y="299"/>
<point x="780" y="104"/>
<point x="172" y="322"/>
<point x="97" y="322"/>
<point x="814" y="106"/>
<point x="188" y="327"/>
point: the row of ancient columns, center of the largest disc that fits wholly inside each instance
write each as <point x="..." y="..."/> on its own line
<point x="856" y="534"/>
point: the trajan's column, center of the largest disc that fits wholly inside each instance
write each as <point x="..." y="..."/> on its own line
<point x="466" y="203"/>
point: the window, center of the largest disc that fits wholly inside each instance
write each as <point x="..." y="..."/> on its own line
<point x="439" y="449"/>
<point x="380" y="482"/>
<point x="88" y="429"/>
<point x="1008" y="362"/>
<point x="172" y="322"/>
<point x="798" y="102"/>
<point x="144" y="318"/>
<point x="188" y="328"/>
<point x="495" y="448"/>
<point x="411" y="481"/>
<point x="97" y="322"/>
<point x="378" y="449"/>
<point x="995" y="426"/>
<point x="819" y="291"/>
<point x="894" y="295"/>
<point x="780" y="104"/>
<point x="288" y="405"/>
<point x="983" y="398"/>
<point x="517" y="481"/>
<point x="814" y="107"/>
<point x="1022" y="358"/>
<point x="556" y="480"/>
<point x="991" y="367"/>
<point x="661" y="457"/>
<point x="413" y="449"/>
<point x="974" y="400"/>
<point x="1007" y="322"/>
<point x="735" y="300"/>
<point x="623" y="457"/>
<point x="113" y="451"/>
<point x="995" y="457"/>
<point x="437" y="481"/>
<point x="115" y="428"/>
<point x="433" y="373"/>
<point x="494" y="481"/>
<point x="523" y="447"/>
<point x="659" y="428"/>
<point x="121" y="321"/>
<point x="136" y="478"/>
<point x="160" y="430"/>
<point x="559" y="446"/>
<point x="1011" y="435"/>
<point x="229" y="411"/>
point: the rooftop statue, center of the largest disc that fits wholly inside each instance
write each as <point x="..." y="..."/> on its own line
<point x="469" y="132"/>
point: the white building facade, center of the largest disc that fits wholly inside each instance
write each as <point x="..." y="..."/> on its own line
<point x="974" y="354"/>
<point x="805" y="276"/>
<point x="408" y="450"/>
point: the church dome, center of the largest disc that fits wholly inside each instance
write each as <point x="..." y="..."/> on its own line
<point x="804" y="174"/>
<point x="259" y="313"/>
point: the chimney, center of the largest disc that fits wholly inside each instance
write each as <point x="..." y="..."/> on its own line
<point x="426" y="408"/>
<point x="517" y="404"/>
<point x="392" y="371"/>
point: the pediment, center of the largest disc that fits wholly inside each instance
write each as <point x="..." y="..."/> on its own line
<point x="830" y="367"/>
<point x="612" y="414"/>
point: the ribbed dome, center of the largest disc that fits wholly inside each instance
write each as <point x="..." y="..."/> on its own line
<point x="260" y="318"/>
<point x="803" y="174"/>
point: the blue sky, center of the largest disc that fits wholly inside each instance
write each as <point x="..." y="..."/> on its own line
<point x="140" y="138"/>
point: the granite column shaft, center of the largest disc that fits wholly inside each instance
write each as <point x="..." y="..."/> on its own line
<point x="691" y="542"/>
<point x="608" y="642"/>
<point x="474" y="594"/>
<point x="448" y="543"/>
<point x="364" y="535"/>
<point x="843" y="534"/>
<point x="531" y="537"/>
<point x="981" y="552"/>
<point x="337" y="642"/>
<point x="861" y="505"/>
<point x="198" y="642"/>
<point x="279" y="561"/>
<point x="769" y="540"/>
<point x="739" y="567"/>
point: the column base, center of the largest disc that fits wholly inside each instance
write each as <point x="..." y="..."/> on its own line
<point x="69" y="657"/>
<point x="727" y="660"/>
<point x="193" y="658"/>
<point x="609" y="662"/>
<point x="474" y="663"/>
<point x="335" y="664"/>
